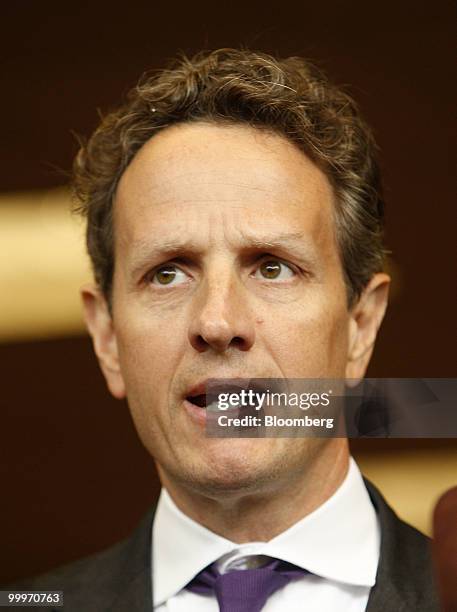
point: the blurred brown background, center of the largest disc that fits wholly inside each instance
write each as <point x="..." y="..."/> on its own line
<point x="74" y="478"/>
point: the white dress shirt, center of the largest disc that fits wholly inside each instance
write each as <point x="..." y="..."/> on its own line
<point x="338" y="543"/>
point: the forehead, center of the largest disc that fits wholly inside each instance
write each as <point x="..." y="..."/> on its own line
<point x="194" y="178"/>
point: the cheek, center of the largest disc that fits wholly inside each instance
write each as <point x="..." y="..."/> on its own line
<point x="142" y="347"/>
<point x="307" y="342"/>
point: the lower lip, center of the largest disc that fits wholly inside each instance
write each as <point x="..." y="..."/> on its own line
<point x="196" y="413"/>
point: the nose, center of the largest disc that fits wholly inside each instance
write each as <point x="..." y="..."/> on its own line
<point x="221" y="319"/>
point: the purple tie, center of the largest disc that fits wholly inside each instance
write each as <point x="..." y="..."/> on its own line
<point x="245" y="590"/>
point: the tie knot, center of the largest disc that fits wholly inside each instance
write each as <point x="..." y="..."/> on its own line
<point x="245" y="590"/>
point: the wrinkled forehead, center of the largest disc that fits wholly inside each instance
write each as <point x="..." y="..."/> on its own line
<point x="193" y="174"/>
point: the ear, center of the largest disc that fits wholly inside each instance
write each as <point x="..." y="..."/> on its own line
<point x="365" y="320"/>
<point x="100" y="325"/>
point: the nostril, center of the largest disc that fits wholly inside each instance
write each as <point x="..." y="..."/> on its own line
<point x="200" y="343"/>
<point x="238" y="342"/>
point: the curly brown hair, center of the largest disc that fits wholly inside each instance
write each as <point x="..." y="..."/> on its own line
<point x="290" y="97"/>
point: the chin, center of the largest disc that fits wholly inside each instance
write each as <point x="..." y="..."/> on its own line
<point x="223" y="483"/>
<point x="233" y="466"/>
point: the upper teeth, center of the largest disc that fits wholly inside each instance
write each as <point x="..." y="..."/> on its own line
<point x="213" y="406"/>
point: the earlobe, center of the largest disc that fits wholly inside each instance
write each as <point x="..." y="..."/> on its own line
<point x="100" y="326"/>
<point x="365" y="321"/>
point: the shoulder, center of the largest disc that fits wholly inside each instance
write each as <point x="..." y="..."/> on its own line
<point x="96" y="582"/>
<point x="405" y="575"/>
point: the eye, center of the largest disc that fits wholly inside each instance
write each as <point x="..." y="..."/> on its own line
<point x="274" y="269"/>
<point x="168" y="275"/>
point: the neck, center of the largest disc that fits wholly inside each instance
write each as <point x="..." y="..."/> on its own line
<point x="259" y="516"/>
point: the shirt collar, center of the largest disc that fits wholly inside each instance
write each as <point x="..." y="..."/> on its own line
<point x="339" y="541"/>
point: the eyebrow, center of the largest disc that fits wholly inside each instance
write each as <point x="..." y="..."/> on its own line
<point x="148" y="250"/>
<point x="286" y="239"/>
<point x="151" y="249"/>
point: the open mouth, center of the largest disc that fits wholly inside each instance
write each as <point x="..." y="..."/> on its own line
<point x="207" y="401"/>
<point x="233" y="397"/>
<point x="197" y="400"/>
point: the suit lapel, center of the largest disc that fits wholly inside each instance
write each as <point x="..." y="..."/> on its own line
<point x="404" y="576"/>
<point x="132" y="585"/>
<point x="385" y="595"/>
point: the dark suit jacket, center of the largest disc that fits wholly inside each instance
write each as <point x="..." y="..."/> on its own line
<point x="119" y="579"/>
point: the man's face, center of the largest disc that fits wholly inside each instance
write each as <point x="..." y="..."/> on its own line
<point x="226" y="266"/>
